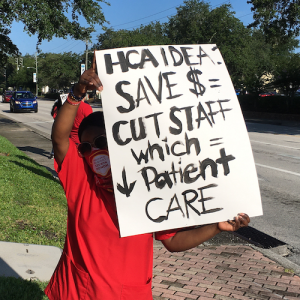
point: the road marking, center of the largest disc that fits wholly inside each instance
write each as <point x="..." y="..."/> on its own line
<point x="275" y="145"/>
<point x="280" y="170"/>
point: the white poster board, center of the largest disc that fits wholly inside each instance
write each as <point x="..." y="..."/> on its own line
<point x="63" y="98"/>
<point x="179" y="149"/>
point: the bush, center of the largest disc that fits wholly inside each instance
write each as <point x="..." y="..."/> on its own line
<point x="271" y="104"/>
<point x="53" y="96"/>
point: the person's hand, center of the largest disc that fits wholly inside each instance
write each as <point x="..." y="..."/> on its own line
<point x="241" y="220"/>
<point x="89" y="80"/>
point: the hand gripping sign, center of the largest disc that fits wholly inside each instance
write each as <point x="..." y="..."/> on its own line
<point x="179" y="149"/>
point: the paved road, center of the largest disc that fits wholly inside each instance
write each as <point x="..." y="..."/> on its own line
<point x="41" y="121"/>
<point x="276" y="151"/>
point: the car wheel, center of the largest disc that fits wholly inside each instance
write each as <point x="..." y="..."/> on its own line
<point x="36" y="111"/>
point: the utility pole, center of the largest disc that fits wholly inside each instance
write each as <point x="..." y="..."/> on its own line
<point x="5" y="77"/>
<point x="86" y="54"/>
<point x="36" y="70"/>
<point x="17" y="63"/>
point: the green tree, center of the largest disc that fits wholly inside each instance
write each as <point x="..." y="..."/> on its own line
<point x="47" y="18"/>
<point x="152" y="34"/>
<point x="197" y="23"/>
<point x="20" y="77"/>
<point x="286" y="74"/>
<point x="256" y="63"/>
<point x="279" y="19"/>
<point x="58" y="71"/>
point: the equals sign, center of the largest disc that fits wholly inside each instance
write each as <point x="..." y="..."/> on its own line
<point x="214" y="140"/>
<point x="214" y="85"/>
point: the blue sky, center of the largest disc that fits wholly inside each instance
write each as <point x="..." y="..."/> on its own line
<point x="122" y="14"/>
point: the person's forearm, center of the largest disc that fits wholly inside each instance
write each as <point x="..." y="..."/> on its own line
<point x="184" y="240"/>
<point x="63" y="122"/>
<point x="61" y="129"/>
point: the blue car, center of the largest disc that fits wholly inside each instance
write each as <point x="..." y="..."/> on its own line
<point x="23" y="101"/>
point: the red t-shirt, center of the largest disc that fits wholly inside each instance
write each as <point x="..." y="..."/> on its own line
<point x="96" y="263"/>
<point x="84" y="110"/>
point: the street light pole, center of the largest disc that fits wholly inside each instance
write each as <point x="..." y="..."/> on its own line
<point x="36" y="69"/>
<point x="36" y="85"/>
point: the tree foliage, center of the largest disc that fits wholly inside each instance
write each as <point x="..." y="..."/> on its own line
<point x="279" y="19"/>
<point x="20" y="76"/>
<point x="59" y="70"/>
<point x="197" y="22"/>
<point x="249" y="54"/>
<point x="46" y="19"/>
<point x="152" y="34"/>
<point x="286" y="74"/>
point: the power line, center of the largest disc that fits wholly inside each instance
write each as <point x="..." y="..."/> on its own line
<point x="228" y="1"/>
<point x="143" y="24"/>
<point x="145" y="17"/>
<point x="69" y="45"/>
<point x="158" y="18"/>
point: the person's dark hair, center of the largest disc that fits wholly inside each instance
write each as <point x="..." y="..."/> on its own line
<point x="94" y="119"/>
<point x="57" y="104"/>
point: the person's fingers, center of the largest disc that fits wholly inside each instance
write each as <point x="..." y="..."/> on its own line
<point x="237" y="222"/>
<point x="89" y="78"/>
<point x="245" y="216"/>
<point x="243" y="220"/>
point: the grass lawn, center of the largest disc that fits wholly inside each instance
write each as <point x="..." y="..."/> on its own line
<point x="33" y="210"/>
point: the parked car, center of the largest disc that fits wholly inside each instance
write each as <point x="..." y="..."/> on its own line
<point x="6" y="96"/>
<point x="266" y="94"/>
<point x="237" y="91"/>
<point x="23" y="101"/>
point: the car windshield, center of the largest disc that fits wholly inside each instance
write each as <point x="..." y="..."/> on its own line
<point x="27" y="95"/>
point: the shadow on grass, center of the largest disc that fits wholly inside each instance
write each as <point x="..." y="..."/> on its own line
<point x="34" y="170"/>
<point x="18" y="289"/>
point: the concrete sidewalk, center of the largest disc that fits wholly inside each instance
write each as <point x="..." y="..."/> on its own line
<point x="221" y="272"/>
<point x="221" y="269"/>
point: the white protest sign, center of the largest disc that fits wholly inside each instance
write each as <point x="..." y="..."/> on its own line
<point x="179" y="149"/>
<point x="63" y="97"/>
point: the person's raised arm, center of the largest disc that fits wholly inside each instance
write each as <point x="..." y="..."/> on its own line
<point x="187" y="239"/>
<point x="63" y="123"/>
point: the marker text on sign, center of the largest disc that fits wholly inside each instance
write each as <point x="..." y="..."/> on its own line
<point x="178" y="57"/>
<point x="171" y="115"/>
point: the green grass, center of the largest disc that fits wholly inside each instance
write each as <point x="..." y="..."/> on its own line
<point x="33" y="210"/>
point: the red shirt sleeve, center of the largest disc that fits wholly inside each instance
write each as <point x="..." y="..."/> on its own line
<point x="83" y="111"/>
<point x="166" y="234"/>
<point x="72" y="172"/>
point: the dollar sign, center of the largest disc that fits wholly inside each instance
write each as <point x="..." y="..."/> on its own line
<point x="192" y="76"/>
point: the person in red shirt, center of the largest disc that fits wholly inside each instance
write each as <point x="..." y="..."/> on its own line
<point x="54" y="111"/>
<point x="83" y="111"/>
<point x="96" y="263"/>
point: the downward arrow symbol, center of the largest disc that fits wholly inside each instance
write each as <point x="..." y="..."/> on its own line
<point x="125" y="189"/>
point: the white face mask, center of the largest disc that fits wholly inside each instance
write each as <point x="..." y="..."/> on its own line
<point x="101" y="164"/>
